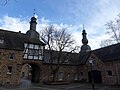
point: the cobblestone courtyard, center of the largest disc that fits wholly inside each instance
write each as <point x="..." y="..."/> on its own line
<point x="26" y="85"/>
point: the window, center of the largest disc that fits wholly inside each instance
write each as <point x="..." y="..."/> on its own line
<point x="9" y="70"/>
<point x="51" y="75"/>
<point x="33" y="51"/>
<point x="81" y="73"/>
<point x="40" y="57"/>
<point x="60" y="76"/>
<point x="1" y="40"/>
<point x="11" y="56"/>
<point x="109" y="73"/>
<point x="76" y="76"/>
<point x="41" y="47"/>
<point x="31" y="45"/>
<point x="68" y="75"/>
<point x="30" y="57"/>
<point x="35" y="57"/>
<point x="36" y="46"/>
<point x="40" y="52"/>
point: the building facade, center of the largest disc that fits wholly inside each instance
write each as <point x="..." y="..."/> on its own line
<point x="24" y="56"/>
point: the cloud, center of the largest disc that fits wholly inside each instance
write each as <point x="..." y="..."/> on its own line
<point x="107" y="10"/>
<point x="14" y="24"/>
<point x="22" y="24"/>
<point x="95" y="14"/>
<point x="94" y="17"/>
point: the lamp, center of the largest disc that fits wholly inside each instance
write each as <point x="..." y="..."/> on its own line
<point x="91" y="68"/>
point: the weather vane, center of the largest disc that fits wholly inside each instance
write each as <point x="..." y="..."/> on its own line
<point x="34" y="12"/>
<point x="83" y="27"/>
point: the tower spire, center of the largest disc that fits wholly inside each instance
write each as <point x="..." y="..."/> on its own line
<point x="83" y="27"/>
<point x="85" y="47"/>
<point x="33" y="22"/>
<point x="32" y="33"/>
<point x="84" y="40"/>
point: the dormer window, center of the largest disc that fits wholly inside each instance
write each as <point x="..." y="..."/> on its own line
<point x="1" y="40"/>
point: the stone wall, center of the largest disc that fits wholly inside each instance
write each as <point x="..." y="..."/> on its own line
<point x="110" y="71"/>
<point x="68" y="73"/>
<point x="114" y="78"/>
<point x="10" y="77"/>
<point x="65" y="73"/>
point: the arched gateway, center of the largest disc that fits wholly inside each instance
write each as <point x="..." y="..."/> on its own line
<point x="31" y="71"/>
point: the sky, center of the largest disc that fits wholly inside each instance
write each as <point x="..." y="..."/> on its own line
<point x="70" y="14"/>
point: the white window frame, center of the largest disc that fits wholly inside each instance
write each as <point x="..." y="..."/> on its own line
<point x="33" y="51"/>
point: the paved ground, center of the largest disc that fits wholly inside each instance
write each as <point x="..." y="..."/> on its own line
<point x="27" y="85"/>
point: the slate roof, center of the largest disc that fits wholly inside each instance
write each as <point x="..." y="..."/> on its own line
<point x="73" y="58"/>
<point x="12" y="40"/>
<point x="15" y="40"/>
<point x="33" y="40"/>
<point x="108" y="53"/>
<point x="64" y="56"/>
<point x="83" y="57"/>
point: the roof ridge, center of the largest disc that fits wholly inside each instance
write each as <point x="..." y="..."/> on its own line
<point x="9" y="31"/>
<point x="107" y="46"/>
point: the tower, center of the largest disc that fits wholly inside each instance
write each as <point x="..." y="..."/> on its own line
<point x="33" y="47"/>
<point x="32" y="33"/>
<point x="85" y="47"/>
<point x="33" y="23"/>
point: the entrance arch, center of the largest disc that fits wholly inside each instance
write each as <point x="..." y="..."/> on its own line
<point x="97" y="77"/>
<point x="35" y="73"/>
<point x="31" y="72"/>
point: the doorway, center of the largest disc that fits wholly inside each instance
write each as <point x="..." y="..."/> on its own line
<point x="30" y="72"/>
<point x="97" y="77"/>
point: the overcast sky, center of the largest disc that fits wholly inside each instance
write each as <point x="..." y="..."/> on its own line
<point x="72" y="14"/>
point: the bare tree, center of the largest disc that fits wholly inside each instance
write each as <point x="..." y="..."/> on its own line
<point x="113" y="29"/>
<point x="57" y="41"/>
<point x="4" y="2"/>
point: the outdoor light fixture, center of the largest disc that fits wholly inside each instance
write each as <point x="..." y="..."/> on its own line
<point x="91" y="68"/>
